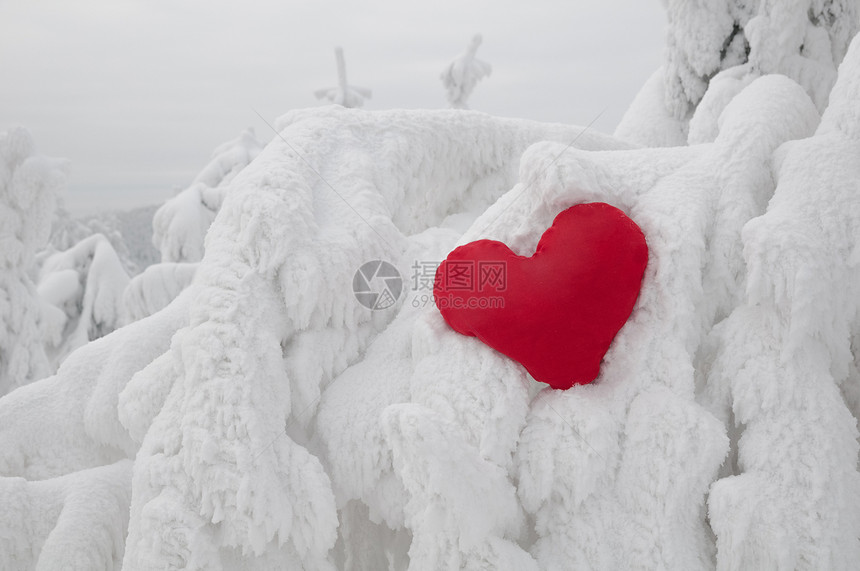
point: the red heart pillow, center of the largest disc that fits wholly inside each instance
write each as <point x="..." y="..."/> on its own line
<point x="557" y="311"/>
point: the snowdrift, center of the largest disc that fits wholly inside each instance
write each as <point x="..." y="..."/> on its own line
<point x="274" y="422"/>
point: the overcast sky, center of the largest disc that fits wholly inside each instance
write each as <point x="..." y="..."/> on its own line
<point x="138" y="93"/>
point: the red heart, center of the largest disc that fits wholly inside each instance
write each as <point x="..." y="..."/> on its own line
<point x="558" y="311"/>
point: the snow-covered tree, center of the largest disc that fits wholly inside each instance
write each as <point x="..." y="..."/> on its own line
<point x="153" y="289"/>
<point x="717" y="47"/>
<point x="51" y="301"/>
<point x="180" y="224"/>
<point x="129" y="233"/>
<point x="83" y="286"/>
<point x="271" y="421"/>
<point x="463" y="73"/>
<point x="28" y="187"/>
<point x="344" y="93"/>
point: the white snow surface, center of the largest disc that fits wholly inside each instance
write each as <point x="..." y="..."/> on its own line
<point x="270" y="421"/>
<point x="647" y="121"/>
<point x="42" y="521"/>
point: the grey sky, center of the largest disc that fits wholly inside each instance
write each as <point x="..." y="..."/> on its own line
<point x="138" y="93"/>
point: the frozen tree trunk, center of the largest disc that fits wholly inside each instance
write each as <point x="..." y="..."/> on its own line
<point x="350" y="96"/>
